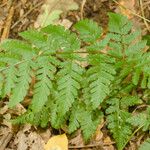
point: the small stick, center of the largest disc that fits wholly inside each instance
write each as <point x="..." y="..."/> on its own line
<point x="142" y="11"/>
<point x="92" y="145"/>
<point x="27" y="13"/>
<point x="82" y="7"/>
<point x="6" y="30"/>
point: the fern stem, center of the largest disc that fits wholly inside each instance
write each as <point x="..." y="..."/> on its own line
<point x="133" y="135"/>
<point x="59" y="52"/>
<point x="91" y="52"/>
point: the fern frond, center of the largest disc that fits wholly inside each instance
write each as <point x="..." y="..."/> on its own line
<point x="80" y="117"/>
<point x="44" y="75"/>
<point x="35" y="37"/>
<point x="68" y="84"/>
<point x="119" y="24"/>
<point x="99" y="78"/>
<point x="21" y="48"/>
<point x="128" y="101"/>
<point x="89" y="30"/>
<point x="39" y="119"/>
<point x="21" y="86"/>
<point x="117" y="123"/>
<point x="130" y="48"/>
<point x="61" y="38"/>
<point x="88" y="124"/>
<point x="48" y="62"/>
<point x="10" y="80"/>
<point x="8" y="59"/>
<point x="141" y="120"/>
<point x="74" y="123"/>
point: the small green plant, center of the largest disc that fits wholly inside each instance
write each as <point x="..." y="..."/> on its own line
<point x="145" y="145"/>
<point x="49" y="62"/>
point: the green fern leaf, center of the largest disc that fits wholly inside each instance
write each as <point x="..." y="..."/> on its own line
<point x="10" y="80"/>
<point x="80" y="117"/>
<point x="8" y="59"/>
<point x="127" y="39"/>
<point x="44" y="75"/>
<point x="135" y="48"/>
<point x="119" y="24"/>
<point x="88" y="124"/>
<point x="48" y="62"/>
<point x="61" y="38"/>
<point x="73" y="120"/>
<point x="35" y="37"/>
<point x="128" y="101"/>
<point x="22" y="84"/>
<point x="99" y="78"/>
<point x="68" y="82"/>
<point x="18" y="47"/>
<point x="117" y="123"/>
<point x="141" y="120"/>
<point x="89" y="30"/>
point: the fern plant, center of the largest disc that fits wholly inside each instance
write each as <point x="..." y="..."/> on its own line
<point x="48" y="63"/>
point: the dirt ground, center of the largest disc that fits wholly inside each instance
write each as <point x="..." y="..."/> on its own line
<point x="19" y="15"/>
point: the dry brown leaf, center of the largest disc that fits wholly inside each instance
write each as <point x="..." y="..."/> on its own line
<point x="78" y="140"/>
<point x="46" y="134"/>
<point x="59" y="142"/>
<point x="66" y="23"/>
<point x="51" y="11"/>
<point x="35" y="141"/>
<point x="22" y="145"/>
<point x="28" y="139"/>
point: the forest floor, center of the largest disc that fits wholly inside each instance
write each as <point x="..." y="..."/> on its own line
<point x="19" y="15"/>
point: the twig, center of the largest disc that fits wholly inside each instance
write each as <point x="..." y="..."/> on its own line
<point x="27" y="13"/>
<point x="8" y="24"/>
<point x="92" y="145"/>
<point x="142" y="11"/>
<point x="131" y="11"/>
<point x="138" y="107"/>
<point x="82" y="7"/>
<point x="59" y="52"/>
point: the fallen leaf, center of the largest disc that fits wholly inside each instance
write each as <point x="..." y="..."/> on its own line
<point x="45" y="134"/>
<point x="78" y="140"/>
<point x="26" y="138"/>
<point x="59" y="142"/>
<point x="51" y="10"/>
<point x="66" y="23"/>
